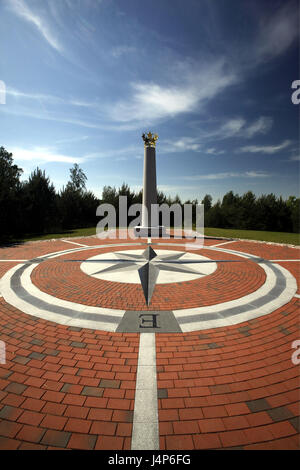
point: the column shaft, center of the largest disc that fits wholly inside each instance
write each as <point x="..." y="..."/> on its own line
<point x="149" y="186"/>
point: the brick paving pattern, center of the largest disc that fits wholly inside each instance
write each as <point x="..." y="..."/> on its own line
<point x="67" y="281"/>
<point x="231" y="387"/>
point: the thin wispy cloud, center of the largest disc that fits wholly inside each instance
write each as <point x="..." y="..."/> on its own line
<point x="180" y="145"/>
<point x="52" y="99"/>
<point x="235" y="127"/>
<point x="21" y="9"/>
<point x="277" y="32"/>
<point x="119" y="51"/>
<point x="213" y="151"/>
<point x="120" y="154"/>
<point x="295" y="158"/>
<point x="227" y="175"/>
<point x="232" y="127"/>
<point x="54" y="117"/>
<point x="172" y="188"/>
<point x="69" y="140"/>
<point x="261" y="126"/>
<point x="152" y="101"/>
<point x="268" y="149"/>
<point x="18" y="94"/>
<point x="238" y="127"/>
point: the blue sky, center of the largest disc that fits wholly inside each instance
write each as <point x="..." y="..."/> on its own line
<point x="85" y="78"/>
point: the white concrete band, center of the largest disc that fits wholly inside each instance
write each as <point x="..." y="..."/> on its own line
<point x="145" y="433"/>
<point x="73" y="243"/>
<point x="223" y="243"/>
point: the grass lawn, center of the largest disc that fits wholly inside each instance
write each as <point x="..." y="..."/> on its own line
<point x="276" y="237"/>
<point x="79" y="232"/>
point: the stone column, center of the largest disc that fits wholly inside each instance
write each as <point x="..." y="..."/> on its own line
<point x="150" y="226"/>
<point x="149" y="186"/>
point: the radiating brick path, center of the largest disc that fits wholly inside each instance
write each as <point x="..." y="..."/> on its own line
<point x="74" y="388"/>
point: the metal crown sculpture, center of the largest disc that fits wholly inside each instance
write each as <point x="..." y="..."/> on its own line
<point x="150" y="139"/>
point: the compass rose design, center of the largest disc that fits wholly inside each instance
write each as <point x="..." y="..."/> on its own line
<point x="149" y="264"/>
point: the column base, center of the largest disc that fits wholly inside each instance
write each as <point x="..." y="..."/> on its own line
<point x="155" y="232"/>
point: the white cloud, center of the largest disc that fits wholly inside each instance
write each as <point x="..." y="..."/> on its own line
<point x="20" y="8"/>
<point x="172" y="188"/>
<point x="257" y="174"/>
<point x="82" y="103"/>
<point x="261" y="126"/>
<point x="180" y="145"/>
<point x="184" y="144"/>
<point x="43" y="154"/>
<point x="213" y="151"/>
<point x="151" y="101"/>
<point x="238" y="127"/>
<point x="269" y="149"/>
<point x="232" y="127"/>
<point x="226" y="175"/>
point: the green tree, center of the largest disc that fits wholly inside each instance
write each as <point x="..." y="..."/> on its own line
<point x="266" y="212"/>
<point x="215" y="216"/>
<point x="125" y="190"/>
<point x="231" y="210"/>
<point x="109" y="195"/>
<point x="207" y="202"/>
<point x="40" y="209"/>
<point x="77" y="179"/>
<point x="10" y="185"/>
<point x="248" y="211"/>
<point x="293" y="204"/>
<point x="161" y="197"/>
<point x="77" y="206"/>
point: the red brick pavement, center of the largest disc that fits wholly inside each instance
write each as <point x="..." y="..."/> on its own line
<point x="66" y="387"/>
<point x="67" y="281"/>
<point x="265" y="250"/>
<point x="231" y="387"/>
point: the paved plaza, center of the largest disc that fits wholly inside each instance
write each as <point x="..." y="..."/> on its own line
<point x="147" y="344"/>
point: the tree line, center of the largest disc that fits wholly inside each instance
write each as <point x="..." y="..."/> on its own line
<point x="35" y="207"/>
